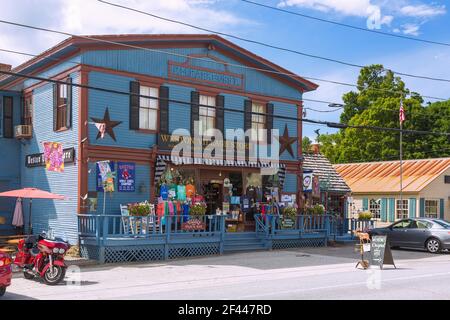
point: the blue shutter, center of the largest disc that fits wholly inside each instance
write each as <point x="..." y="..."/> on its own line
<point x="391" y="210"/>
<point x="365" y="204"/>
<point x="422" y="207"/>
<point x="441" y="208"/>
<point x="412" y="207"/>
<point x="346" y="208"/>
<point x="383" y="209"/>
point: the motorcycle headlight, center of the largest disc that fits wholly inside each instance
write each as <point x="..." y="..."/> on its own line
<point x="55" y="250"/>
<point x="61" y="251"/>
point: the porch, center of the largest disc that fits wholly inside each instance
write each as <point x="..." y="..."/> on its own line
<point x="110" y="238"/>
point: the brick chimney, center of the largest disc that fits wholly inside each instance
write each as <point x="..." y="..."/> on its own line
<point x="315" y="148"/>
<point x="5" y="67"/>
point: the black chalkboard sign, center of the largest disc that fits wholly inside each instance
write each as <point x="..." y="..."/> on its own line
<point x="380" y="252"/>
<point x="287" y="223"/>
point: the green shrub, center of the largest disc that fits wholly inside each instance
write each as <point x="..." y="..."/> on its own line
<point x="139" y="209"/>
<point x="198" y="210"/>
<point x="365" y="215"/>
<point x="289" y="212"/>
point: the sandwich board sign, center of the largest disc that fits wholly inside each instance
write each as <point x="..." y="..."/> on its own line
<point x="380" y="253"/>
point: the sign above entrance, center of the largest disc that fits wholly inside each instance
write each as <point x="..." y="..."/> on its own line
<point x="186" y="71"/>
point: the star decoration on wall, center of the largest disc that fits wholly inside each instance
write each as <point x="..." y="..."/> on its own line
<point x="108" y="125"/>
<point x="286" y="142"/>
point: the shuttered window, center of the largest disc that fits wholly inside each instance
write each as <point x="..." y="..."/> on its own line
<point x="62" y="105"/>
<point x="431" y="208"/>
<point x="148" y="108"/>
<point x="375" y="208"/>
<point x="8" y="117"/>
<point x="402" y="209"/>
<point x="27" y="110"/>
<point x="258" y="122"/>
<point x="207" y="115"/>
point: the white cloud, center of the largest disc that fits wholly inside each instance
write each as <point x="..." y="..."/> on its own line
<point x="93" y="17"/>
<point x="423" y="10"/>
<point x="350" y="7"/>
<point x="410" y="29"/>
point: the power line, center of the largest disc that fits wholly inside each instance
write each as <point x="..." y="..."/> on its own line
<point x="350" y="64"/>
<point x="319" y="122"/>
<point x="200" y="59"/>
<point x="347" y="25"/>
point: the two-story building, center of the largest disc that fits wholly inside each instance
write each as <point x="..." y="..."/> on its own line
<point x="142" y="89"/>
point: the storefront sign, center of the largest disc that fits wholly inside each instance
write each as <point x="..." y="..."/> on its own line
<point x="126" y="175"/>
<point x="193" y="224"/>
<point x="185" y="71"/>
<point x="380" y="252"/>
<point x="169" y="141"/>
<point x="37" y="159"/>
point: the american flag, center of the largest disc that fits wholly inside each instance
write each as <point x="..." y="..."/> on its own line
<point x="402" y="116"/>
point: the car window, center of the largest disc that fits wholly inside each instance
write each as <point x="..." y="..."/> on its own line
<point x="421" y="224"/>
<point x="442" y="223"/>
<point x="402" y="224"/>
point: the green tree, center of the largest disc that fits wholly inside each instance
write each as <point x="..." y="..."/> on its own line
<point x="376" y="103"/>
<point x="306" y="144"/>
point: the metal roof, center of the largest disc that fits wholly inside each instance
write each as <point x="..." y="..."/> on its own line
<point x="321" y="166"/>
<point x="384" y="177"/>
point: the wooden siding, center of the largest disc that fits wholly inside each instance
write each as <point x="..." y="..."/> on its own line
<point x="155" y="64"/>
<point x="57" y="215"/>
<point x="179" y="114"/>
<point x="290" y="183"/>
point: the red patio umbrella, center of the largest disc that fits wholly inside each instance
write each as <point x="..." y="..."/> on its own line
<point x="31" y="193"/>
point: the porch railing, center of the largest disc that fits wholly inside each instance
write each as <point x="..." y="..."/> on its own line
<point x="272" y="224"/>
<point x="116" y="226"/>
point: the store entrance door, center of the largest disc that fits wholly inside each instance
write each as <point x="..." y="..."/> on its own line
<point x="213" y="196"/>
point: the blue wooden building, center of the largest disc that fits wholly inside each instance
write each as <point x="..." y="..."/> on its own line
<point x="104" y="81"/>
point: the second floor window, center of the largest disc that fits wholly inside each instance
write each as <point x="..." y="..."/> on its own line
<point x="148" y="108"/>
<point x="8" y="117"/>
<point x="27" y="111"/>
<point x="207" y="114"/>
<point x="61" y="107"/>
<point x="258" y="122"/>
<point x="402" y="209"/>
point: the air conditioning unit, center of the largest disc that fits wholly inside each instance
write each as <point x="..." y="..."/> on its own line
<point x="23" y="131"/>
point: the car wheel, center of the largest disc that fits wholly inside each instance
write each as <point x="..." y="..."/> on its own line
<point x="2" y="291"/>
<point x="433" y="245"/>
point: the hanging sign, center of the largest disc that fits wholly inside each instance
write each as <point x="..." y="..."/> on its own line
<point x="380" y="252"/>
<point x="315" y="186"/>
<point x="307" y="181"/>
<point x="126" y="175"/>
<point x="106" y="175"/>
<point x="53" y="156"/>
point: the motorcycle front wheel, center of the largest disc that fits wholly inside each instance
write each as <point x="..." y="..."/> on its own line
<point x="54" y="275"/>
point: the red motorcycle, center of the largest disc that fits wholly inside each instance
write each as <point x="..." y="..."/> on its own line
<point x="39" y="256"/>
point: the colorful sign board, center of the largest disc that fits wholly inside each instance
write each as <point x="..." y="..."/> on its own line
<point x="307" y="181"/>
<point x="126" y="176"/>
<point x="53" y="156"/>
<point x="105" y="176"/>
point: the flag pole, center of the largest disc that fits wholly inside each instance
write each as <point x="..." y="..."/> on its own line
<point x="401" y="154"/>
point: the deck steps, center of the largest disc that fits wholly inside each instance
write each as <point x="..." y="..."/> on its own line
<point x="243" y="241"/>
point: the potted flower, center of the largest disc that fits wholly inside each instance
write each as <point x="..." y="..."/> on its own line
<point x="318" y="209"/>
<point x="140" y="209"/>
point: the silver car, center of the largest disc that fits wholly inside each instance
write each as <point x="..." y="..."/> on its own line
<point x="423" y="233"/>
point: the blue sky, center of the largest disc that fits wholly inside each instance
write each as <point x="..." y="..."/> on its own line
<point x="416" y="18"/>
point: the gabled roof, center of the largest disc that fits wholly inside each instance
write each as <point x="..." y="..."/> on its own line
<point x="384" y="177"/>
<point x="321" y="166"/>
<point x="74" y="44"/>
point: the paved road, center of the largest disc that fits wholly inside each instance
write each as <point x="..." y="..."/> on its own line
<point x="311" y="273"/>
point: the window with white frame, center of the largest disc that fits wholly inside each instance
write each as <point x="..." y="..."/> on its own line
<point x="207" y="115"/>
<point x="148" y="108"/>
<point x="402" y="209"/>
<point x="258" y="122"/>
<point x="375" y="208"/>
<point x="431" y="208"/>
